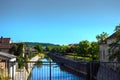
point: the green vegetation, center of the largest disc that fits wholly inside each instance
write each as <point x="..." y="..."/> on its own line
<point x="101" y="37"/>
<point x="93" y="50"/>
<point x="79" y="58"/>
<point x="21" y="62"/>
<point x="31" y="55"/>
<point x="39" y="48"/>
<point x="17" y="49"/>
<point x="23" y="54"/>
<point x="37" y="43"/>
<point x="41" y="55"/>
<point x="84" y="50"/>
<point x="114" y="51"/>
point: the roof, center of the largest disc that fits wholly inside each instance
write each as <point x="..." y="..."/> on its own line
<point x="7" y="55"/>
<point x="4" y="43"/>
<point x="32" y="49"/>
<point x="5" y="40"/>
<point x="113" y="36"/>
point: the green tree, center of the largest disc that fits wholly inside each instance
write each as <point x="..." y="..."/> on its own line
<point x="20" y="61"/>
<point x="84" y="47"/>
<point x="55" y="49"/>
<point x="39" y="48"/>
<point x="102" y="36"/>
<point x="13" y="49"/>
<point x="63" y="49"/>
<point x="75" y="50"/>
<point x="94" y="50"/>
<point x="49" y="48"/>
<point x="20" y="49"/>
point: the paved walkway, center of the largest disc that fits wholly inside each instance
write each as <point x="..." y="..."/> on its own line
<point x="30" y="65"/>
<point x="22" y="74"/>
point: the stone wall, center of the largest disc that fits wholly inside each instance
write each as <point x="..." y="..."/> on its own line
<point x="105" y="73"/>
<point x="77" y="67"/>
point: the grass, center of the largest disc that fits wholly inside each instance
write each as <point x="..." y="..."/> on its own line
<point x="84" y="58"/>
<point x="76" y="57"/>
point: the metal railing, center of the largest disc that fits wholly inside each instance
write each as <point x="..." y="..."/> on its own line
<point x="52" y="71"/>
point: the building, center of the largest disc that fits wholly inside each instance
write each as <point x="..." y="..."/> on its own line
<point x="5" y="44"/>
<point x="7" y="64"/>
<point x="105" y="47"/>
<point x="109" y="69"/>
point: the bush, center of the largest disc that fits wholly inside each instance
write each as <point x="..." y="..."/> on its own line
<point x="21" y="62"/>
<point x="31" y="55"/>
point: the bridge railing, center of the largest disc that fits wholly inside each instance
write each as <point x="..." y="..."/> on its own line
<point x="45" y="70"/>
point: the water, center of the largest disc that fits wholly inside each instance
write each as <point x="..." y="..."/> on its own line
<point x="42" y="72"/>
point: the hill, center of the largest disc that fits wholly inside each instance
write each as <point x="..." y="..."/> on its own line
<point x="37" y="43"/>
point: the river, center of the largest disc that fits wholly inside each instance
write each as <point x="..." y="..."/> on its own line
<point x="45" y="71"/>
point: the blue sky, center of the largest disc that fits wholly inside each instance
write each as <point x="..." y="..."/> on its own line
<point x="57" y="21"/>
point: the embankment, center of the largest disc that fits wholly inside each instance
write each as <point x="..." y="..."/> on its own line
<point x="31" y="64"/>
<point x="76" y="67"/>
<point x="90" y="70"/>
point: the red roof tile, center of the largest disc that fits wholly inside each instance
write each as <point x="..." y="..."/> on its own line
<point x="4" y="43"/>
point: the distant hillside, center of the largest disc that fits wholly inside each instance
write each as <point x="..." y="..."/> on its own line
<point x="37" y="43"/>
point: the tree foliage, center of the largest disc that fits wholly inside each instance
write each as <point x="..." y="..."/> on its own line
<point x="20" y="61"/>
<point x="84" y="47"/>
<point x="102" y="36"/>
<point x="13" y="49"/>
<point x="94" y="50"/>
<point x="20" y="49"/>
<point x="39" y="48"/>
<point x="17" y="49"/>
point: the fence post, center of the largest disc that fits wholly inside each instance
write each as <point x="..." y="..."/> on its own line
<point x="50" y="70"/>
<point x="8" y="66"/>
<point x="90" y="70"/>
<point x="12" y="70"/>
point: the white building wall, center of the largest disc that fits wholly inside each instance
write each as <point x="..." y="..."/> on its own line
<point x="12" y="67"/>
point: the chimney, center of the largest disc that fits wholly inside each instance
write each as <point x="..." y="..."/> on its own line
<point x="1" y="39"/>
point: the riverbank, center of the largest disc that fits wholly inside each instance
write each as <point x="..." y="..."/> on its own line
<point x="23" y="74"/>
<point x="76" y="67"/>
<point x="83" y="69"/>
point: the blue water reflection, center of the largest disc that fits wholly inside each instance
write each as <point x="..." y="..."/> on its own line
<point x="43" y="73"/>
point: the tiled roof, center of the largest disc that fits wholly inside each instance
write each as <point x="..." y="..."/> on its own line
<point x="4" y="43"/>
<point x="114" y="35"/>
<point x="5" y="40"/>
<point x="7" y="55"/>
